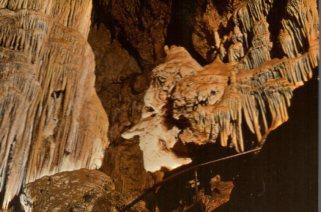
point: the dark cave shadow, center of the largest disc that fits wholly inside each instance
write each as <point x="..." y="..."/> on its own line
<point x="283" y="177"/>
<point x="180" y="28"/>
<point x="177" y="193"/>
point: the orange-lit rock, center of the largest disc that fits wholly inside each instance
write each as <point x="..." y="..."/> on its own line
<point x="240" y="62"/>
<point x="51" y="118"/>
<point x="189" y="103"/>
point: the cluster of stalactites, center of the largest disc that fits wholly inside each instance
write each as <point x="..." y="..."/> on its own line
<point x="216" y="107"/>
<point x="213" y="103"/>
<point x="46" y="84"/>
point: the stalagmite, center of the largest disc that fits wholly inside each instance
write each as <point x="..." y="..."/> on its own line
<point x="51" y="118"/>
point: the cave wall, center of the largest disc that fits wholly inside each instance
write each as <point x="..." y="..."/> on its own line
<point x="257" y="35"/>
<point x="254" y="34"/>
<point x="51" y="117"/>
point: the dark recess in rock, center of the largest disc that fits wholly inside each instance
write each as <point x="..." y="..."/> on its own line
<point x="283" y="177"/>
<point x="180" y="28"/>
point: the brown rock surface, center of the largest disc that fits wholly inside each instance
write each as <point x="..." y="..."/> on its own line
<point x="141" y="25"/>
<point x="124" y="164"/>
<point x="220" y="194"/>
<point x="120" y="84"/>
<point x="117" y="81"/>
<point x="81" y="190"/>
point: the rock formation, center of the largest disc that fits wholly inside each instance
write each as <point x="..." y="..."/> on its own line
<point x="81" y="190"/>
<point x="140" y="25"/>
<point x="230" y="67"/>
<point x="188" y="103"/>
<point x="220" y="194"/>
<point x="51" y="118"/>
<point x="284" y="175"/>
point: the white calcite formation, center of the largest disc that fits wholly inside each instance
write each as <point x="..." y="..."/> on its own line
<point x="51" y="119"/>
<point x="188" y="103"/>
<point x="156" y="139"/>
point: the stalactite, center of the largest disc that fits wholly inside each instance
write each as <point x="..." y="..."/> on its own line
<point x="217" y="100"/>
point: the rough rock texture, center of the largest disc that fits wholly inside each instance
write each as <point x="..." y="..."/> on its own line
<point x="51" y="119"/>
<point x="219" y="195"/>
<point x="140" y="25"/>
<point x="124" y="164"/>
<point x="268" y="36"/>
<point x="127" y="40"/>
<point x="117" y="84"/>
<point x="212" y="22"/>
<point x="81" y="190"/>
<point x="188" y="103"/>
<point x="120" y="85"/>
<point x="47" y="85"/>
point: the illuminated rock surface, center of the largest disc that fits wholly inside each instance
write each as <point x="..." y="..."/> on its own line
<point x="81" y="190"/>
<point x="235" y="71"/>
<point x="51" y="118"/>
<point x="215" y="100"/>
